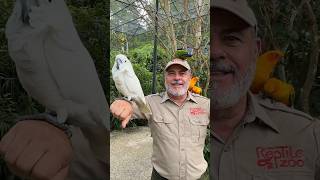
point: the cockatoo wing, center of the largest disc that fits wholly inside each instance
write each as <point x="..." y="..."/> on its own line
<point x="131" y="88"/>
<point x="120" y="83"/>
<point x="26" y="48"/>
<point x="72" y="68"/>
<point x="65" y="60"/>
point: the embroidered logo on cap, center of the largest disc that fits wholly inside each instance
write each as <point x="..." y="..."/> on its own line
<point x="279" y="156"/>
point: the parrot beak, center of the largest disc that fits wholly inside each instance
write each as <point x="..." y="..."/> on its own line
<point x="24" y="12"/>
<point x="119" y="62"/>
<point x="117" y="65"/>
<point x="25" y="9"/>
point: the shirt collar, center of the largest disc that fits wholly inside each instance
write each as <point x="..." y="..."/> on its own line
<point x="257" y="113"/>
<point x="166" y="97"/>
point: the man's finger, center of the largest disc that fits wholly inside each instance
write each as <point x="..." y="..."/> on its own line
<point x="125" y="114"/>
<point x="62" y="174"/>
<point x="115" y="105"/>
<point x="112" y="105"/>
<point x="28" y="158"/>
<point x="125" y="122"/>
<point x="7" y="140"/>
<point x="118" y="112"/>
<point x="47" y="167"/>
<point x="15" y="149"/>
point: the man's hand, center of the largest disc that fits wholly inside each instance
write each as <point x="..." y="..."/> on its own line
<point x="37" y="150"/>
<point x="122" y="110"/>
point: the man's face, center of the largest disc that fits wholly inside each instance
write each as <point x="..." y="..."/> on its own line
<point x="177" y="80"/>
<point x="233" y="52"/>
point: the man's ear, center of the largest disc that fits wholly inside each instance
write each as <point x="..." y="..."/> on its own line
<point x="190" y="74"/>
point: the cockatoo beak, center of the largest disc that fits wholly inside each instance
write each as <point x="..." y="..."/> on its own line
<point x="119" y="62"/>
<point x="24" y="11"/>
<point x="25" y="4"/>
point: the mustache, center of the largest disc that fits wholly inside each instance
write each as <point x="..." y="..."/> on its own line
<point x="220" y="66"/>
<point x="177" y="82"/>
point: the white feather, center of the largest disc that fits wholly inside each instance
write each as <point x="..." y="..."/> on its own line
<point x="53" y="65"/>
<point x="127" y="83"/>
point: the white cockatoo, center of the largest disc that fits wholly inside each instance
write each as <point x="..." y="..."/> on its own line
<point x="127" y="83"/>
<point x="56" y="69"/>
<point x="52" y="64"/>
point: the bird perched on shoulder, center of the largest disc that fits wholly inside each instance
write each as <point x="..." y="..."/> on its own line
<point x="264" y="69"/>
<point x="127" y="83"/>
<point x="279" y="91"/>
<point x="192" y="85"/>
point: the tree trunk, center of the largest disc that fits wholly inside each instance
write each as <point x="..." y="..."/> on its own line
<point x="170" y="32"/>
<point x="312" y="69"/>
<point x="186" y="17"/>
<point x="198" y="26"/>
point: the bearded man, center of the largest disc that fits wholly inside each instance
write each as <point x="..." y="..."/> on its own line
<point x="252" y="137"/>
<point x="178" y="123"/>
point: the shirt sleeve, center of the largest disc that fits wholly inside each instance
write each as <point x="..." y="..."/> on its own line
<point x="137" y="114"/>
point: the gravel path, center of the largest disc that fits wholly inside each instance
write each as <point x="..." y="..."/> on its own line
<point x="130" y="152"/>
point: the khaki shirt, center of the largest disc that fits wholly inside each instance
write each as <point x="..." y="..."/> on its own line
<point x="178" y="135"/>
<point x="274" y="142"/>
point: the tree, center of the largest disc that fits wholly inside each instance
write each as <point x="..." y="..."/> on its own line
<point x="292" y="26"/>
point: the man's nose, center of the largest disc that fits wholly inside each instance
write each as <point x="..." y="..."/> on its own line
<point x="177" y="76"/>
<point x="216" y="49"/>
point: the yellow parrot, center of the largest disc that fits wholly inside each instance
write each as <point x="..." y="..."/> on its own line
<point x="279" y="91"/>
<point x="192" y="85"/>
<point x="265" y="66"/>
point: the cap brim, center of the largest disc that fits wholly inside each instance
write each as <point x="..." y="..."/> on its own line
<point x="176" y="64"/>
<point x="226" y="5"/>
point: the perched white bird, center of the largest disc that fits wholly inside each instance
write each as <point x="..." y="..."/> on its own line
<point x="52" y="64"/>
<point x="128" y="83"/>
<point x="56" y="69"/>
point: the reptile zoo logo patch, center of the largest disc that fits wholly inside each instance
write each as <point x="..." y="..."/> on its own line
<point x="279" y="156"/>
<point x="197" y="111"/>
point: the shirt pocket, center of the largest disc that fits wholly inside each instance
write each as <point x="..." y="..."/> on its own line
<point x="199" y="128"/>
<point x="163" y="127"/>
<point x="287" y="175"/>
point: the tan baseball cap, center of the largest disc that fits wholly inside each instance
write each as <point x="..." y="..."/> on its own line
<point x="181" y="62"/>
<point x="237" y="7"/>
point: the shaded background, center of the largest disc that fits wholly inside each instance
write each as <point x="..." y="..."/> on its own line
<point x="292" y="26"/>
<point x="91" y="19"/>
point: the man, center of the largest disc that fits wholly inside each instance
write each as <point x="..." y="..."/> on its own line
<point x="178" y="124"/>
<point x="252" y="137"/>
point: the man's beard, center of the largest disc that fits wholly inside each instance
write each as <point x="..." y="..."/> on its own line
<point x="222" y="99"/>
<point x="177" y="92"/>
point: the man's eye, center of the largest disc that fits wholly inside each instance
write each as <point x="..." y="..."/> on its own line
<point x="231" y="38"/>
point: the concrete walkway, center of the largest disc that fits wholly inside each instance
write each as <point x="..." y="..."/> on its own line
<point x="130" y="152"/>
